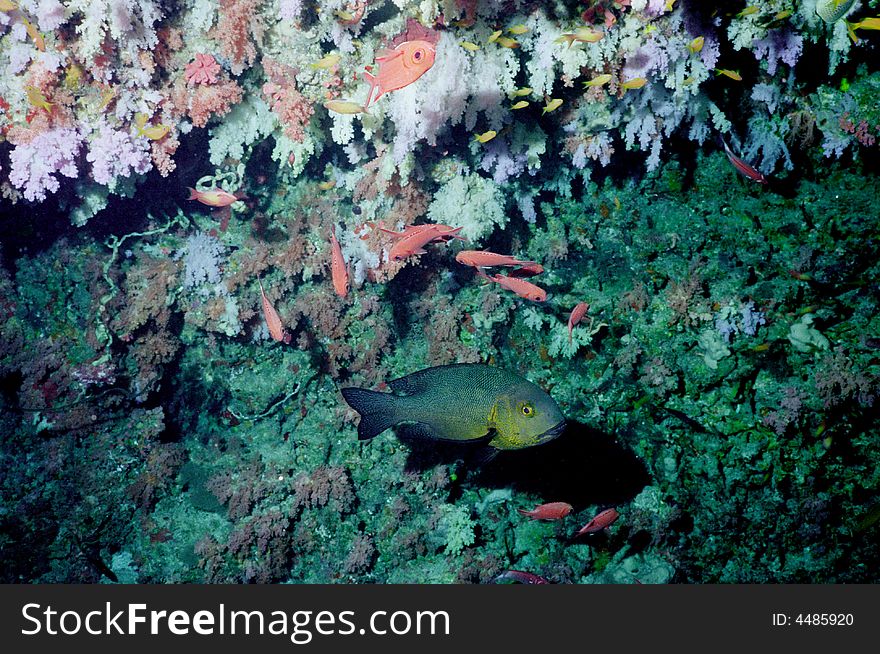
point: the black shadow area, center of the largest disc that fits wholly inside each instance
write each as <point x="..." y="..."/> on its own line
<point x="583" y="467"/>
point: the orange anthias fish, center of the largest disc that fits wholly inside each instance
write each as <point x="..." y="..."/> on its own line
<point x="399" y="67"/>
<point x="577" y="314"/>
<point x="414" y="242"/>
<point x="484" y="259"/>
<point x="338" y="268"/>
<point x="273" y="320"/>
<point x="551" y="511"/>
<point x="602" y="521"/>
<point x="214" y="198"/>
<point x="521" y="287"/>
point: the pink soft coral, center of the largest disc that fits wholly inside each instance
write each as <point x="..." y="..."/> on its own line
<point x="239" y="28"/>
<point x="203" y="70"/>
<point x="213" y="100"/>
<point x="291" y="107"/>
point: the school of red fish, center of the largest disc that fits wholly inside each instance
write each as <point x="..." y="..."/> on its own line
<point x="410" y="56"/>
<point x="411" y="242"/>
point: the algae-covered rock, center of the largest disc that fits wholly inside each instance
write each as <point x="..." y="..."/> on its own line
<point x="806" y="338"/>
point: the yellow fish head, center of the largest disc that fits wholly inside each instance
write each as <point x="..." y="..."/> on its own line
<point x="523" y="416"/>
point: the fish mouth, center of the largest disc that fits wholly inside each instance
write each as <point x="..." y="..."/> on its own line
<point x="553" y="432"/>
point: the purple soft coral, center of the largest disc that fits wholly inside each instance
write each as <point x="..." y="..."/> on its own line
<point x="35" y="164"/>
<point x="778" y="45"/>
<point x="115" y="153"/>
<point x="50" y="14"/>
<point x="498" y="156"/>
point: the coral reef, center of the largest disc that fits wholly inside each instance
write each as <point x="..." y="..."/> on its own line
<point x="703" y="175"/>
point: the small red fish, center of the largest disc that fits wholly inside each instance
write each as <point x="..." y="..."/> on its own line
<point x="521" y="287"/>
<point x="484" y="259"/>
<point x="528" y="269"/>
<point x="446" y="232"/>
<point x="273" y="320"/>
<point x="399" y="67"/>
<point x="742" y="167"/>
<point x="214" y="198"/>
<point x="338" y="269"/>
<point x="576" y="316"/>
<point x="602" y="521"/>
<point x="414" y="242"/>
<point x="551" y="511"/>
<point x="520" y="577"/>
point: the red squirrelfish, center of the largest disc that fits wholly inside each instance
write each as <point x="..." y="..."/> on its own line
<point x="744" y="168"/>
<point x="412" y="243"/>
<point x="484" y="259"/>
<point x="602" y="520"/>
<point x="445" y="232"/>
<point x="338" y="269"/>
<point x="273" y="320"/>
<point x="521" y="287"/>
<point x="399" y="67"/>
<point x="551" y="511"/>
<point x="528" y="269"/>
<point x="214" y="198"/>
<point x="576" y="316"/>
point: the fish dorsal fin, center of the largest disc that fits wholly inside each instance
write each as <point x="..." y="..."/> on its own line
<point x="386" y="54"/>
<point x="417" y="382"/>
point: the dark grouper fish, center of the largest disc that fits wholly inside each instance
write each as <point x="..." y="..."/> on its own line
<point x="461" y="402"/>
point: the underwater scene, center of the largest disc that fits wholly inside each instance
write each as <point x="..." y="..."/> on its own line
<point x="439" y="291"/>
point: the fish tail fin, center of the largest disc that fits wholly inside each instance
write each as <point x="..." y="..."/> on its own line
<point x="851" y="30"/>
<point x="722" y="143"/>
<point x="193" y="194"/>
<point x="377" y="410"/>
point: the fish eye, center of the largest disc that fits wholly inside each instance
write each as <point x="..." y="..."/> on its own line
<point x="417" y="55"/>
<point x="527" y="409"/>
